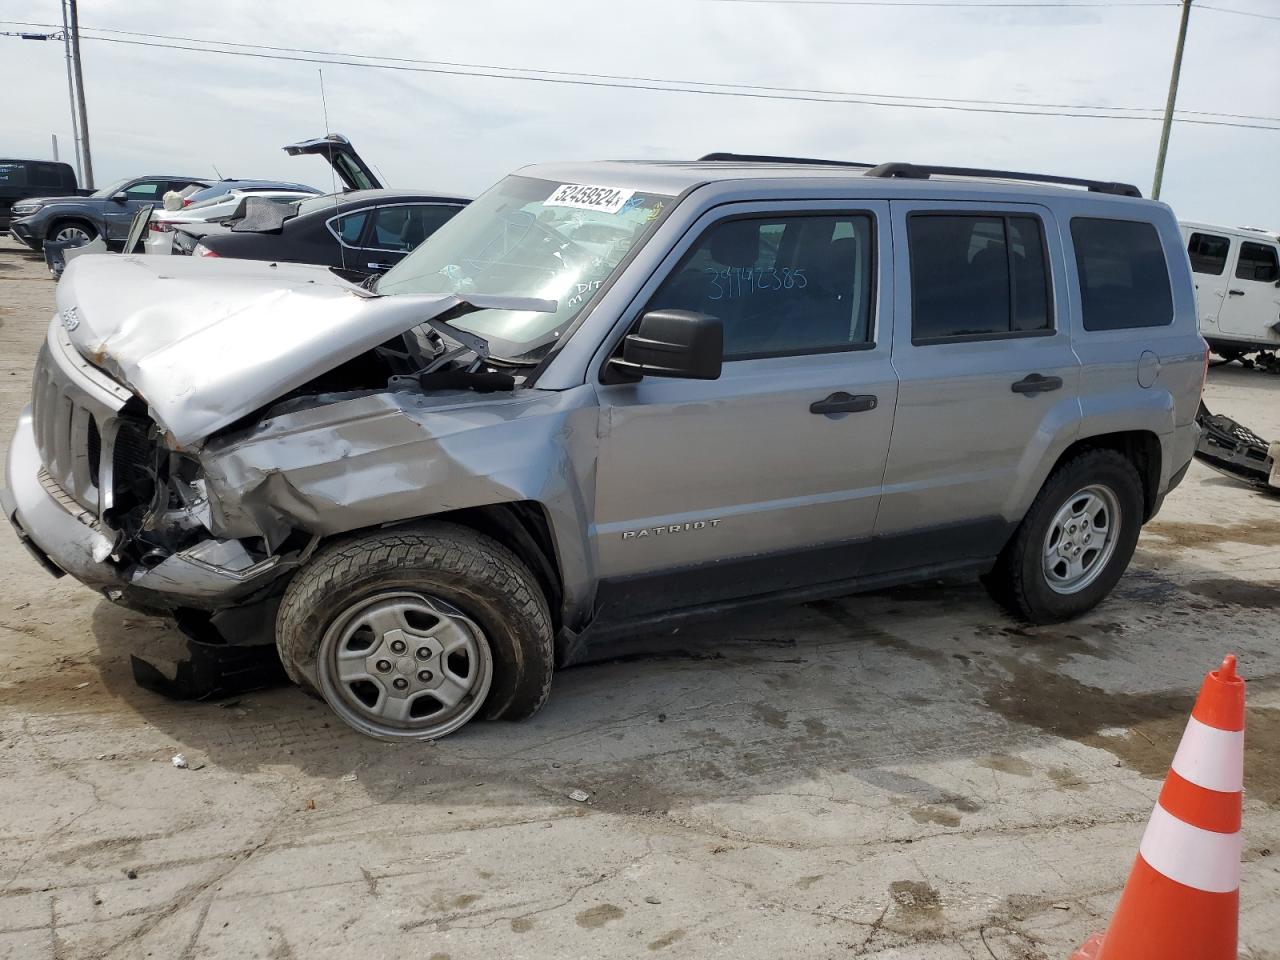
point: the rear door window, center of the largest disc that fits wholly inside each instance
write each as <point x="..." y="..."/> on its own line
<point x="977" y="277"/>
<point x="1124" y="278"/>
<point x="1257" y="262"/>
<point x="404" y="226"/>
<point x="1208" y="253"/>
<point x="782" y="285"/>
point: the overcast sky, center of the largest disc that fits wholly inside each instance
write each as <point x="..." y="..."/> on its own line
<point x="169" y="111"/>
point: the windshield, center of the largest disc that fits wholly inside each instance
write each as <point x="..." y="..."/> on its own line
<point x="529" y="238"/>
<point x="112" y="190"/>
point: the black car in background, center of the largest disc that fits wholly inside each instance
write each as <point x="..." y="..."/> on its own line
<point x="360" y="233"/>
<point x="20" y="179"/>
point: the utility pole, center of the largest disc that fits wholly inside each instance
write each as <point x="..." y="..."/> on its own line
<point x="1168" y="108"/>
<point x="80" y="110"/>
<point x="71" y="93"/>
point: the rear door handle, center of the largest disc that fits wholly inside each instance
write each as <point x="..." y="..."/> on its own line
<point x="1235" y="293"/>
<point x="841" y="402"/>
<point x="1034" y="383"/>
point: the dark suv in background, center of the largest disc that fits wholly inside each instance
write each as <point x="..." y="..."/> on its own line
<point x="106" y="213"/>
<point x="21" y="179"/>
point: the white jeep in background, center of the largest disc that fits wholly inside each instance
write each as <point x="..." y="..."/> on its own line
<point x="1237" y="277"/>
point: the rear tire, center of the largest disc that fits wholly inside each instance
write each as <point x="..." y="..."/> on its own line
<point x="409" y="633"/>
<point x="1074" y="543"/>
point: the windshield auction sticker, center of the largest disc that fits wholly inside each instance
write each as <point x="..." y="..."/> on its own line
<point x="585" y="197"/>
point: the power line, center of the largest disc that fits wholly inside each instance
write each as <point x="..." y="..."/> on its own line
<point x="1238" y="13"/>
<point x="969" y="101"/>
<point x="983" y="5"/>
<point x="940" y="4"/>
<point x="750" y="91"/>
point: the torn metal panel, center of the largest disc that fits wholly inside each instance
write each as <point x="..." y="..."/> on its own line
<point x="389" y="457"/>
<point x="158" y="325"/>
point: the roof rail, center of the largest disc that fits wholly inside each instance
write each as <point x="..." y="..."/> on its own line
<point x="764" y="158"/>
<point x="924" y="171"/>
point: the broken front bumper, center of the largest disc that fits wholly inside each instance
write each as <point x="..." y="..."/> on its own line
<point x="21" y="231"/>
<point x="65" y="538"/>
<point x="1236" y="451"/>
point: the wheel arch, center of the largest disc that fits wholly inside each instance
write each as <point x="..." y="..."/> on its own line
<point x="62" y="220"/>
<point x="1140" y="447"/>
<point x="523" y="527"/>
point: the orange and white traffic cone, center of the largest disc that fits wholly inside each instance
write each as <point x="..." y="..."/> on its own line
<point x="1183" y="895"/>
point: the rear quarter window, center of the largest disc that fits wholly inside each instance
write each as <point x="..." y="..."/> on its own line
<point x="1124" y="278"/>
<point x="1208" y="253"/>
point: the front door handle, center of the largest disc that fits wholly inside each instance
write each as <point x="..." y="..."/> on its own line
<point x="380" y="266"/>
<point x="1034" y="383"/>
<point x="841" y="402"/>
<point x="1235" y="293"/>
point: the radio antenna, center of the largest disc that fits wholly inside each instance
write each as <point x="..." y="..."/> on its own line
<point x="333" y="174"/>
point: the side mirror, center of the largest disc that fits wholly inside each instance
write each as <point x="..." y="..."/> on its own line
<point x="671" y="343"/>
<point x="120" y="197"/>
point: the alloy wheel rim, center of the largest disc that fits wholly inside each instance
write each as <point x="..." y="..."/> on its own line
<point x="404" y="665"/>
<point x="1081" y="539"/>
<point x="77" y="234"/>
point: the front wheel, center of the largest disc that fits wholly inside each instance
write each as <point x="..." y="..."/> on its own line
<point x="73" y="232"/>
<point x="409" y="633"/>
<point x="1075" y="542"/>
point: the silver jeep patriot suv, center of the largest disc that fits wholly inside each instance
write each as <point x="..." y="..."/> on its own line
<point x="606" y="395"/>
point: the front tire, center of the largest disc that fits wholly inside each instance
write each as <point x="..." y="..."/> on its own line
<point x="1075" y="542"/>
<point x="76" y="231"/>
<point x="409" y="633"/>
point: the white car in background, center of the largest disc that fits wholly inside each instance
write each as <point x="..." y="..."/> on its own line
<point x="160" y="228"/>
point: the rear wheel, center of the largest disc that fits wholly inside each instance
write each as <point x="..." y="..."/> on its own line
<point x="75" y="232"/>
<point x="1075" y="542"/>
<point x="408" y="634"/>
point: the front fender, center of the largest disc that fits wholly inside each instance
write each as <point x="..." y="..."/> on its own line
<point x="386" y="458"/>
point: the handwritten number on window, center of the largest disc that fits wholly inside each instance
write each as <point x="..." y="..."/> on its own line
<point x="731" y="283"/>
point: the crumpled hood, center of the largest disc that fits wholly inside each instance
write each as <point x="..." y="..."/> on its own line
<point x="206" y="341"/>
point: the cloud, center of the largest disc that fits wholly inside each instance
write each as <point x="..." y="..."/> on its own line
<point x="159" y="110"/>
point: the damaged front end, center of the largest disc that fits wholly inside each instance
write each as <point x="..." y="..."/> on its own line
<point x="93" y="491"/>
<point x="118" y="472"/>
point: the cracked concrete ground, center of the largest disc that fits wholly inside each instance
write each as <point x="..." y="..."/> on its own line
<point x="908" y="774"/>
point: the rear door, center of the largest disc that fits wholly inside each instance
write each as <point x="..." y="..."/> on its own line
<point x="756" y="482"/>
<point x="987" y="376"/>
<point x="1251" y="308"/>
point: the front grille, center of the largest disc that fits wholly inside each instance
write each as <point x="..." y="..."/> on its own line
<point x="132" y="464"/>
<point x="65" y="429"/>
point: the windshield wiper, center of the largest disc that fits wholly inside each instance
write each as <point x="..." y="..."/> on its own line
<point x="442" y="323"/>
